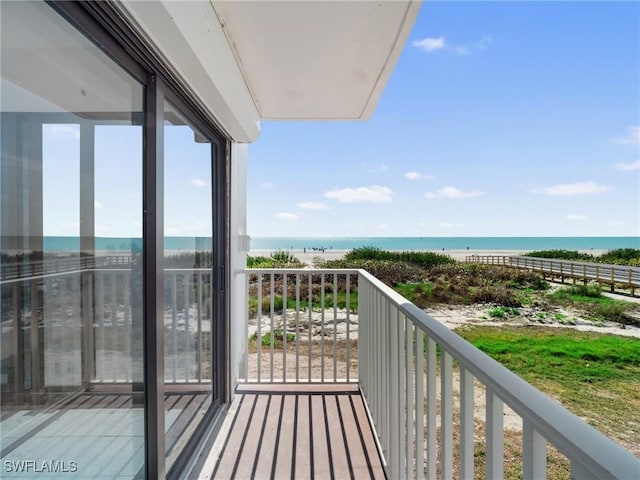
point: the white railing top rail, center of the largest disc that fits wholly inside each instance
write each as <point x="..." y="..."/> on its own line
<point x="568" y="433"/>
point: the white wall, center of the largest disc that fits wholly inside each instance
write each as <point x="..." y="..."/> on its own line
<point x="188" y="37"/>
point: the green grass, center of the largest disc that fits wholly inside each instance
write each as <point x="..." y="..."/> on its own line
<point x="265" y="339"/>
<point x="597" y="307"/>
<point x="595" y="376"/>
<point x="501" y="312"/>
<point x="549" y="354"/>
<point x="278" y="303"/>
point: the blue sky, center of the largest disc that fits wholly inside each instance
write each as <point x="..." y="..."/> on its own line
<point x="500" y="119"/>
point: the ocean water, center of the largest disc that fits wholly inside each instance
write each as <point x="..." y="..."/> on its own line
<point x="348" y="243"/>
<point x="447" y="243"/>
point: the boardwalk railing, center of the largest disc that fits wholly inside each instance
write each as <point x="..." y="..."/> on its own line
<point x="616" y="276"/>
<point x="406" y="366"/>
<point x="79" y="324"/>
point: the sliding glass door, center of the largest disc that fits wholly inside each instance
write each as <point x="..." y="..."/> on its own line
<point x="112" y="238"/>
<point x="71" y="303"/>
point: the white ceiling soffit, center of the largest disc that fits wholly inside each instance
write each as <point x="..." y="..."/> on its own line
<point x="316" y="59"/>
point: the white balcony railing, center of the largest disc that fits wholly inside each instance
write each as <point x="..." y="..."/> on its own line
<point x="317" y="344"/>
<point x="84" y="325"/>
<point x="405" y="368"/>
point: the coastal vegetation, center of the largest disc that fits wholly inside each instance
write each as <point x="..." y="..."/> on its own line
<point x="517" y="314"/>
<point x="619" y="256"/>
<point x="429" y="279"/>
<point x="278" y="259"/>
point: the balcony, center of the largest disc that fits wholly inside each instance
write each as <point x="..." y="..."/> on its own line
<point x="345" y="331"/>
<point x="340" y="376"/>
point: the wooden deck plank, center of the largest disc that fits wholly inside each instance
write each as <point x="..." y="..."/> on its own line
<point x="362" y="447"/>
<point x="269" y="438"/>
<point x="301" y="433"/>
<point x="232" y="448"/>
<point x="336" y="436"/>
<point x="368" y="437"/>
<point x="285" y="456"/>
<point x="304" y="450"/>
<point x="322" y="461"/>
<point x="244" y="468"/>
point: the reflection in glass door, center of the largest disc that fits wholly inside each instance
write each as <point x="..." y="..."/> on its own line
<point x="188" y="296"/>
<point x="71" y="283"/>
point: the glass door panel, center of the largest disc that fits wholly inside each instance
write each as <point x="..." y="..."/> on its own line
<point x="71" y="309"/>
<point x="188" y="294"/>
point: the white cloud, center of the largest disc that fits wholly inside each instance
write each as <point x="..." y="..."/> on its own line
<point x="632" y="137"/>
<point x="267" y="185"/>
<point x="432" y="44"/>
<point x="429" y="44"/>
<point x="450" y="225"/>
<point x="97" y="205"/>
<point x="286" y="216"/>
<point x="452" y="192"/>
<point x="63" y="131"/>
<point x="418" y="176"/>
<point x="575" y="217"/>
<point x="373" y="194"/>
<point x="569" y="189"/>
<point x="484" y="42"/>
<point x="628" y="166"/>
<point x="313" y="206"/>
<point x="199" y="182"/>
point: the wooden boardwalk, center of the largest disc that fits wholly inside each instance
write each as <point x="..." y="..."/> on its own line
<point x="299" y="432"/>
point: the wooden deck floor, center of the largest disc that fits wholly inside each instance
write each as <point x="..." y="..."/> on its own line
<point x="299" y="432"/>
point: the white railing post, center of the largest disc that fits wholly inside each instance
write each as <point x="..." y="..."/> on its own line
<point x="446" y="415"/>
<point x="432" y="443"/>
<point x="495" y="436"/>
<point x="466" y="424"/>
<point x="534" y="453"/>
<point x="419" y="403"/>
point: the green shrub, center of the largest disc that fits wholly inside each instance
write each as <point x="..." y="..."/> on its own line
<point x="278" y="259"/>
<point x="260" y="262"/>
<point x="420" y="259"/>
<point x="389" y="272"/>
<point x="265" y="339"/>
<point x="621" y="256"/>
<point x="561" y="255"/>
<point x="618" y="256"/>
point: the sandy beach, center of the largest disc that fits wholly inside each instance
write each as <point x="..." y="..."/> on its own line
<point x="310" y="257"/>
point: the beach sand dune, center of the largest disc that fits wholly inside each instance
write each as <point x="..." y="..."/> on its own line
<point x="310" y="257"/>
